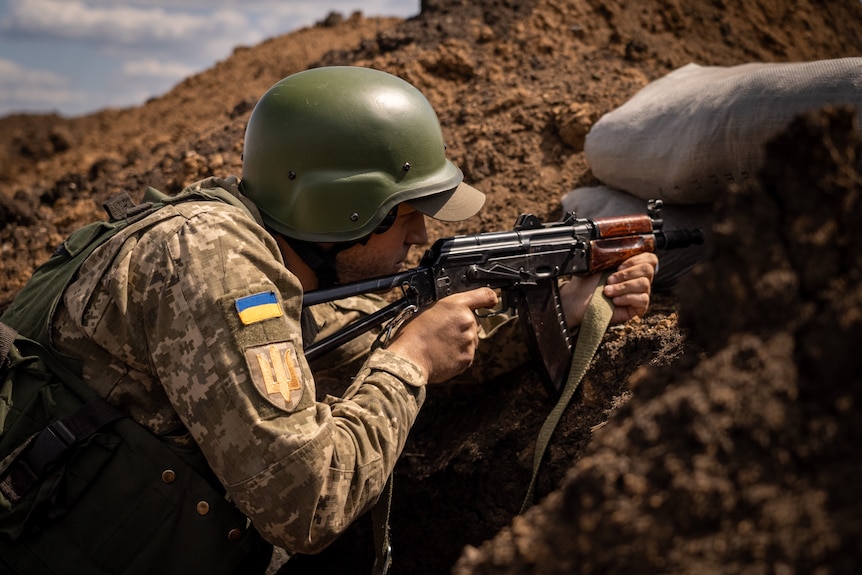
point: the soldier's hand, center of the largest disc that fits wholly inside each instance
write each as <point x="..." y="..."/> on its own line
<point x="442" y="338"/>
<point x="629" y="287"/>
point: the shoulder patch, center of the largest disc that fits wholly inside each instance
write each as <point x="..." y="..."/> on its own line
<point x="258" y="307"/>
<point x="276" y="373"/>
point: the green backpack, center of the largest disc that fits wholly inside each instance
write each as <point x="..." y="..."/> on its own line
<point x="84" y="489"/>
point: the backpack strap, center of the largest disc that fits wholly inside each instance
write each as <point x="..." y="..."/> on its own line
<point x="32" y="309"/>
<point x="25" y="466"/>
<point x="27" y="463"/>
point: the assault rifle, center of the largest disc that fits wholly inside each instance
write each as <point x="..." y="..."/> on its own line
<point x="524" y="264"/>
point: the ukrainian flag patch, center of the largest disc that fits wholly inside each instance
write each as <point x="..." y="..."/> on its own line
<point x="258" y="307"/>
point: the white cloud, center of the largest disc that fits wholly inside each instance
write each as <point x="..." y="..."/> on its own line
<point x="80" y="55"/>
<point x="368" y="7"/>
<point x="23" y="88"/>
<point x="176" y="22"/>
<point x="12" y="73"/>
<point x="122" y="25"/>
<point x="153" y="68"/>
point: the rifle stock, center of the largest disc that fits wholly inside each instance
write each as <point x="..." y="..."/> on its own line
<point x="524" y="264"/>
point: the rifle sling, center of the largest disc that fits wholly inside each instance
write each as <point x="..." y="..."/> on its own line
<point x="380" y="526"/>
<point x="595" y="323"/>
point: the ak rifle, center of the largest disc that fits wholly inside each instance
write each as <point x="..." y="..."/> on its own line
<point x="524" y="264"/>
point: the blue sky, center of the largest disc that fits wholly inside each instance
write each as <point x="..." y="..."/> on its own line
<point x="74" y="57"/>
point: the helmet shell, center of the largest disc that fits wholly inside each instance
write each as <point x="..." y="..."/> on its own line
<point x="330" y="151"/>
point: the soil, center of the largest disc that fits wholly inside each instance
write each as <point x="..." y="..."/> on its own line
<point x="718" y="434"/>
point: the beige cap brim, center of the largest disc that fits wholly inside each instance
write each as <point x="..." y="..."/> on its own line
<point x="453" y="205"/>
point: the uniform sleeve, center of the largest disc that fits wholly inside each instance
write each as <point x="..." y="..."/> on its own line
<point x="225" y="342"/>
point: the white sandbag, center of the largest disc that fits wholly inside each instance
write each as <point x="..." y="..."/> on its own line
<point x="603" y="201"/>
<point x="684" y="137"/>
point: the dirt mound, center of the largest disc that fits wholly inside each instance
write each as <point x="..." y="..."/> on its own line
<point x="517" y="84"/>
<point x="743" y="460"/>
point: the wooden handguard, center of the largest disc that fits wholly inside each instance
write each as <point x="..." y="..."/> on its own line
<point x="611" y="252"/>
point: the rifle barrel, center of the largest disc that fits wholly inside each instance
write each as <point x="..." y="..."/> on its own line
<point x="678" y="239"/>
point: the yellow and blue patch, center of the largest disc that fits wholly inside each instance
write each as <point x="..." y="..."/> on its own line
<point x="258" y="307"/>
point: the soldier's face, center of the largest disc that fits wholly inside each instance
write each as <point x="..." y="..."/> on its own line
<point x="384" y="253"/>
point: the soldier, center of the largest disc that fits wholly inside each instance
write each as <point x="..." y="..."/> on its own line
<point x="189" y="320"/>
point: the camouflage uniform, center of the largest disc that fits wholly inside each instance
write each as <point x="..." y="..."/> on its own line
<point x="189" y="322"/>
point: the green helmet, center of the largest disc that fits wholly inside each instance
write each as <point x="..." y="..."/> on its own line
<point x="330" y="151"/>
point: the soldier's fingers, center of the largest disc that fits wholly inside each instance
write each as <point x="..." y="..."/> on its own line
<point x="478" y="298"/>
<point x="641" y="265"/>
<point x="637" y="285"/>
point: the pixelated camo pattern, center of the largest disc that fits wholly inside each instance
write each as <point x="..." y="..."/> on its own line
<point x="152" y="314"/>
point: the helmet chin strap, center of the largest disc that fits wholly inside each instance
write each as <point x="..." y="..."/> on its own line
<point x="320" y="260"/>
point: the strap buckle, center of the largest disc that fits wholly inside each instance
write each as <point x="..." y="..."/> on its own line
<point x="48" y="446"/>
